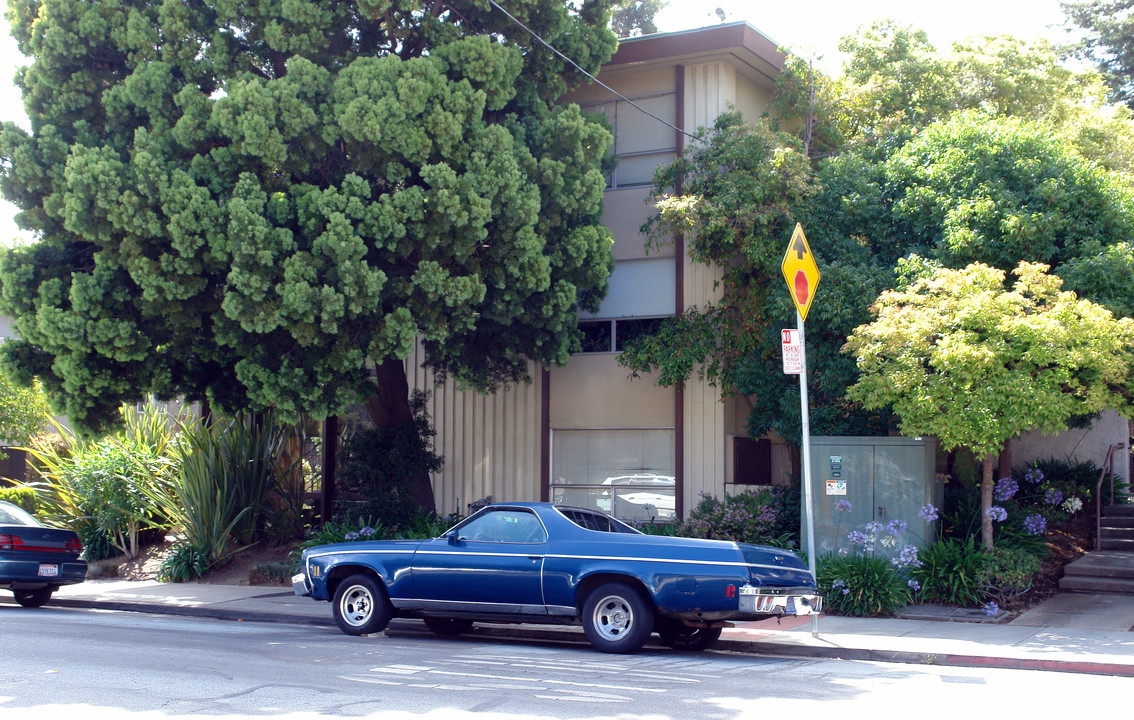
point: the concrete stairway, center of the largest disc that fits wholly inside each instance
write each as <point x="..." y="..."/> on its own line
<point x="1110" y="569"/>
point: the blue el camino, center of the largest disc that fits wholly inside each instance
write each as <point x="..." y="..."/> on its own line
<point x="544" y="563"/>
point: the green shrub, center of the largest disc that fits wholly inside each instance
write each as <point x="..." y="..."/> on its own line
<point x="752" y="516"/>
<point x="98" y="488"/>
<point x="183" y="563"/>
<point x="949" y="572"/>
<point x="861" y="585"/>
<point x="380" y="466"/>
<point x="659" y="528"/>
<point x="423" y="526"/>
<point x="1006" y="573"/>
<point x="21" y="495"/>
<point x="271" y="572"/>
<point x="227" y="489"/>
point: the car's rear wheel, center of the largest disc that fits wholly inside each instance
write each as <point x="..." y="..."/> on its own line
<point x="617" y="618"/>
<point x="448" y="626"/>
<point x="680" y="636"/>
<point x="33" y="598"/>
<point x="362" y="606"/>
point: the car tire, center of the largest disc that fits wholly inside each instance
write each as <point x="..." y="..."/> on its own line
<point x="361" y="605"/>
<point x="33" y="598"/>
<point x="447" y="626"/>
<point x="680" y="636"/>
<point x="617" y="618"/>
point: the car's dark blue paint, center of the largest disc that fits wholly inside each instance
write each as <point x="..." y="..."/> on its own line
<point x="36" y="560"/>
<point x="535" y="562"/>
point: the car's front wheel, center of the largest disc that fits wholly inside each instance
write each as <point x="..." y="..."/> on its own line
<point x="683" y="637"/>
<point x="617" y="618"/>
<point x="448" y="626"/>
<point x="33" y="598"/>
<point x="362" y="606"/>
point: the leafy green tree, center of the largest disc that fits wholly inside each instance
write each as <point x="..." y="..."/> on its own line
<point x="635" y="17"/>
<point x="266" y="203"/>
<point x="894" y="76"/>
<point x="742" y="184"/>
<point x="1110" y="26"/>
<point x="961" y="356"/>
<point x="895" y="82"/>
<point x="23" y="411"/>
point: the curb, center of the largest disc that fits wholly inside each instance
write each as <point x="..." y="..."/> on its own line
<point x="574" y="635"/>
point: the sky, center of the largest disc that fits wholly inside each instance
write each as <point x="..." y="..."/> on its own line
<point x="809" y="29"/>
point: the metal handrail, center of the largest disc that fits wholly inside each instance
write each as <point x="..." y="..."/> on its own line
<point x="1098" y="490"/>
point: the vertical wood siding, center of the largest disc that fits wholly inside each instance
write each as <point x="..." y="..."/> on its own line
<point x="491" y="443"/>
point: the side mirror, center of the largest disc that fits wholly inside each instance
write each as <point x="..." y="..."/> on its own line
<point x="452" y="537"/>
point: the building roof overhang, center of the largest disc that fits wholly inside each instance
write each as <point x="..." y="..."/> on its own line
<point x="754" y="55"/>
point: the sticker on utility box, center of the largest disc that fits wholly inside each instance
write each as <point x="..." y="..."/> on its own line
<point x="836" y="487"/>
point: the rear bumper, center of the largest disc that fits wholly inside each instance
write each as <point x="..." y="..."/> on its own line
<point x="35" y="574"/>
<point x="780" y="601"/>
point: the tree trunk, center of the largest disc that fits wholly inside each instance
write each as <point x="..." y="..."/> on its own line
<point x="389" y="406"/>
<point x="1004" y="468"/>
<point x="986" y="501"/>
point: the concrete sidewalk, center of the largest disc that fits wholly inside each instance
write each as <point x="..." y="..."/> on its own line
<point x="1070" y="632"/>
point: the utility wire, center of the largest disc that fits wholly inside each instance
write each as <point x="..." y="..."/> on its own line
<point x="592" y="77"/>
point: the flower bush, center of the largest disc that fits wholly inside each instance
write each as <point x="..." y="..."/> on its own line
<point x="754" y="516"/>
<point x="871" y="574"/>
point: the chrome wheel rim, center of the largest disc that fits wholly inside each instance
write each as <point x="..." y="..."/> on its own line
<point x="356" y="605"/>
<point x="613" y="618"/>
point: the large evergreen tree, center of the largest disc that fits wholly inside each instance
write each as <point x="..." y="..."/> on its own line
<point x="1109" y="26"/>
<point x="266" y="202"/>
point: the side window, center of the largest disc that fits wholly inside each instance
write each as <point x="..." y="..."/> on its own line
<point x="504" y="526"/>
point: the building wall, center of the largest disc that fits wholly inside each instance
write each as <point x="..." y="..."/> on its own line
<point x="491" y="443"/>
<point x="1081" y="445"/>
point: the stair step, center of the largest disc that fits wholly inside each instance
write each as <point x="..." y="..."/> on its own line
<point x="1110" y="532"/>
<point x="1120" y="544"/>
<point x="1120" y="510"/>
<point x="1081" y="583"/>
<point x="1102" y="563"/>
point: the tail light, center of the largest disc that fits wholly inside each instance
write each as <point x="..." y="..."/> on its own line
<point x="74" y="545"/>
<point x="11" y="542"/>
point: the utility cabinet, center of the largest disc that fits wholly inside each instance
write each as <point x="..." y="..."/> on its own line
<point x="883" y="478"/>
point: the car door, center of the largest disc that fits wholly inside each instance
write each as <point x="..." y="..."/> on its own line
<point x="493" y="563"/>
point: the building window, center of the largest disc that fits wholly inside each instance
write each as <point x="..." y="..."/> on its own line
<point x="628" y="473"/>
<point x="752" y="461"/>
<point x="600" y="336"/>
<point x="642" y="141"/>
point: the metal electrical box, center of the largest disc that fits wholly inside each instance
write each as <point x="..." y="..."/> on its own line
<point x="883" y="478"/>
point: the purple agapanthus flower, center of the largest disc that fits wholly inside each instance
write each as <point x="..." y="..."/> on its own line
<point x="1053" y="496"/>
<point x="896" y="527"/>
<point x="907" y="557"/>
<point x="991" y="609"/>
<point x="844" y="506"/>
<point x="1005" y="489"/>
<point x="928" y="513"/>
<point x="1035" y="524"/>
<point x="997" y="513"/>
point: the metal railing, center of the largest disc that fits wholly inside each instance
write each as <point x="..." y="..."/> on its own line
<point x="1106" y="470"/>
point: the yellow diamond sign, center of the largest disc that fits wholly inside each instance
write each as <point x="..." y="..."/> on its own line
<point x="800" y="271"/>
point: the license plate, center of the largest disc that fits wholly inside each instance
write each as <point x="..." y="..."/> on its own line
<point x="790" y="606"/>
<point x="48" y="570"/>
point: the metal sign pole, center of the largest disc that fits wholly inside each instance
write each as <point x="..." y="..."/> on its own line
<point x="806" y="451"/>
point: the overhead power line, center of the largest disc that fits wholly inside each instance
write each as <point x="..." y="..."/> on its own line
<point x="592" y="77"/>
